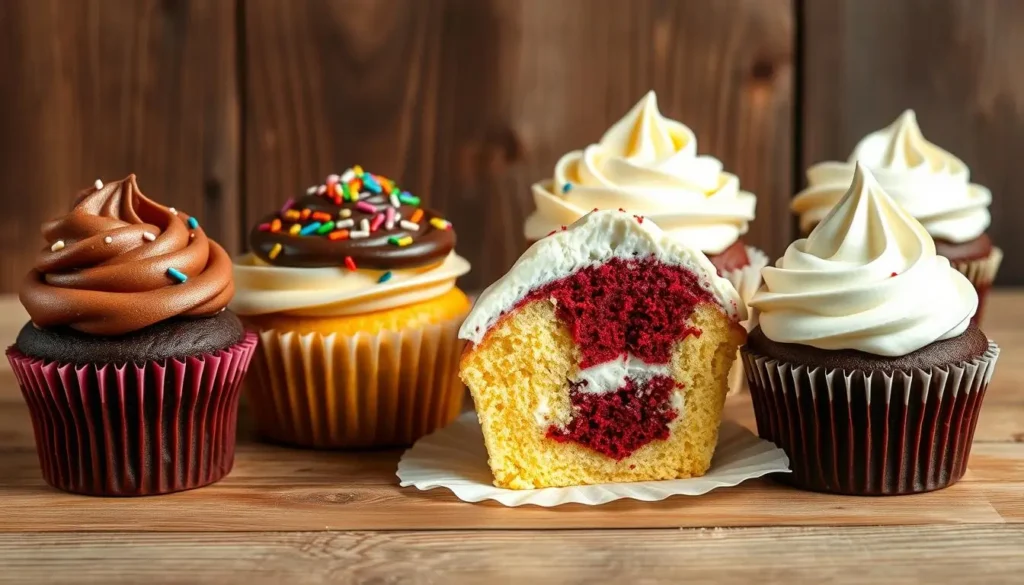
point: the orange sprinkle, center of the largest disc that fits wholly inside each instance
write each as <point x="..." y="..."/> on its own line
<point x="416" y="216"/>
<point x="305" y="214"/>
<point x="338" y="235"/>
<point x="355" y="186"/>
<point x="275" y="226"/>
<point x="321" y="216"/>
<point x="291" y="214"/>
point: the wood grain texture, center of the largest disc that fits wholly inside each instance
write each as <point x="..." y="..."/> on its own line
<point x="984" y="555"/>
<point x="470" y="101"/>
<point x="956" y="62"/>
<point x="102" y="88"/>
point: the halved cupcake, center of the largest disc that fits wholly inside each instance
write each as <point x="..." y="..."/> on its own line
<point x="602" y="356"/>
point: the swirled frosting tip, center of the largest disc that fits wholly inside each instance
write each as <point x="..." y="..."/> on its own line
<point x="356" y="214"/>
<point x="119" y="262"/>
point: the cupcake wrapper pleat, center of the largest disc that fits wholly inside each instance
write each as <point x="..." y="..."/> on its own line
<point x="135" y="429"/>
<point x="746" y="280"/>
<point x="871" y="433"/>
<point x="981" y="273"/>
<point x="338" y="391"/>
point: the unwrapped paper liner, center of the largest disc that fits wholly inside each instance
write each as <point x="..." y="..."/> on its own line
<point x="135" y="429"/>
<point x="455" y="458"/>
<point x="872" y="433"/>
<point x="981" y="273"/>
<point x="364" y="390"/>
<point x="746" y="280"/>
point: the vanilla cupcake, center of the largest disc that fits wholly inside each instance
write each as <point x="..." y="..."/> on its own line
<point x="930" y="183"/>
<point x="866" y="367"/>
<point x="351" y="288"/>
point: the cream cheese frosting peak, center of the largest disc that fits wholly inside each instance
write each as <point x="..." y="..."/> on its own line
<point x="594" y="239"/>
<point x="647" y="164"/>
<point x="867" y="279"/>
<point x="929" y="182"/>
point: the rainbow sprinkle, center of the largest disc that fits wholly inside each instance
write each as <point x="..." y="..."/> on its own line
<point x="344" y="223"/>
<point x="193" y="223"/>
<point x="338" y="235"/>
<point x="57" y="246"/>
<point x="275" y="226"/>
<point x="327" y="227"/>
<point x="408" y="199"/>
<point x="350" y="263"/>
<point x="384" y="277"/>
<point x="440" y="223"/>
<point x="416" y="216"/>
<point x="408" y="225"/>
<point x="292" y="214"/>
<point x="366" y="207"/>
<point x="345" y="213"/>
<point x="400" y="241"/>
<point x="274" y="251"/>
<point x="295" y="229"/>
<point x="309" y="228"/>
<point x="177" y="275"/>
<point x="378" y="221"/>
<point x="291" y="201"/>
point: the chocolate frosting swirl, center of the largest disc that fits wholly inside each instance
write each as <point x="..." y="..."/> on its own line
<point x="429" y="242"/>
<point x="119" y="262"/>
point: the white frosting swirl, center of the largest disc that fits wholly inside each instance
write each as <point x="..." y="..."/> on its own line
<point x="647" y="164"/>
<point x="262" y="289"/>
<point x="867" y="279"/>
<point x="931" y="184"/>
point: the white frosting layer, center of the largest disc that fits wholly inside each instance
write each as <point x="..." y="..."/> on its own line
<point x="594" y="239"/>
<point x="867" y="279"/>
<point x="647" y="164"/>
<point x="262" y="289"/>
<point x="611" y="375"/>
<point x="931" y="184"/>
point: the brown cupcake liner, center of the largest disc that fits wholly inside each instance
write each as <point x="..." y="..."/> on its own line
<point x="981" y="273"/>
<point x="746" y="280"/>
<point x="364" y="390"/>
<point x="870" y="433"/>
<point x="135" y="429"/>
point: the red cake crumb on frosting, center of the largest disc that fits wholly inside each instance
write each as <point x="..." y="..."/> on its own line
<point x="618" y="423"/>
<point x="638" y="307"/>
<point x="624" y="306"/>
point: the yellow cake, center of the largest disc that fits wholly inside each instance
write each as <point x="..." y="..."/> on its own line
<point x="603" y="356"/>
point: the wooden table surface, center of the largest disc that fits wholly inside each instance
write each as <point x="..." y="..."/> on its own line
<point x="292" y="516"/>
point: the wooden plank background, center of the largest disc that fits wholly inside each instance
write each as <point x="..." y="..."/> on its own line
<point x="227" y="107"/>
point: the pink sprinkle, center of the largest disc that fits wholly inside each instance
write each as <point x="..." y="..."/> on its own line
<point x="366" y="207"/>
<point x="333" y="178"/>
<point x="321" y="189"/>
<point x="377" y="221"/>
<point x="264" y="227"/>
<point x="389" y="218"/>
<point x="287" y="205"/>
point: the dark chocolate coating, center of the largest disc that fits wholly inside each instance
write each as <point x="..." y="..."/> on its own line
<point x="962" y="348"/>
<point x="175" y="338"/>
<point x="430" y="245"/>
<point x="732" y="258"/>
<point x="975" y="249"/>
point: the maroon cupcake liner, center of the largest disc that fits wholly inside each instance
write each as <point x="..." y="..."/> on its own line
<point x="135" y="429"/>
<point x="981" y="273"/>
<point x="870" y="433"/>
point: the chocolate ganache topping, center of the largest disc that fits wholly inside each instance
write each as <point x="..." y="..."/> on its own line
<point x="119" y="262"/>
<point x="356" y="219"/>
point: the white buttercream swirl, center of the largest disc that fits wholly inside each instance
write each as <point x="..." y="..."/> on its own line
<point x="594" y="239"/>
<point x="647" y="164"/>
<point x="262" y="289"/>
<point x="931" y="184"/>
<point x="866" y="279"/>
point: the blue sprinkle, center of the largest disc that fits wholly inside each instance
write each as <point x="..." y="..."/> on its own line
<point x="384" y="277"/>
<point x="309" y="228"/>
<point x="193" y="223"/>
<point x="370" y="183"/>
<point x="566" y="187"/>
<point x="177" y="275"/>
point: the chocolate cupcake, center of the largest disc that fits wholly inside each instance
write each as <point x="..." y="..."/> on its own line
<point x="130" y="365"/>
<point x="351" y="288"/>
<point x="931" y="184"/>
<point x="866" y="368"/>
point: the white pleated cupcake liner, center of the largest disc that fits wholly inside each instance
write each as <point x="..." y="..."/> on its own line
<point x="455" y="458"/>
